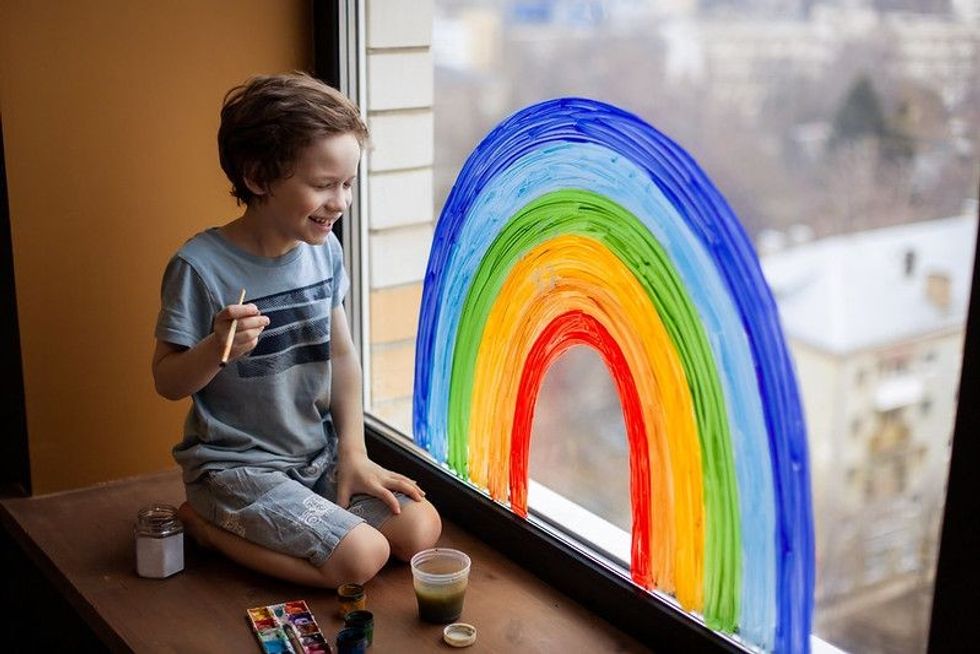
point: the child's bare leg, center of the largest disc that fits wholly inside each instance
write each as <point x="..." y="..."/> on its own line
<point x="416" y="528"/>
<point x="358" y="557"/>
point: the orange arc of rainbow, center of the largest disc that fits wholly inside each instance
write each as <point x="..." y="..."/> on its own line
<point x="577" y="273"/>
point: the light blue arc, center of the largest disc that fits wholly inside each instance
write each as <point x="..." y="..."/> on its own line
<point x="606" y="173"/>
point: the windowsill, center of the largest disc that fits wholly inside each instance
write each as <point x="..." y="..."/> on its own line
<point x="538" y="547"/>
<point x="82" y="543"/>
<point x="601" y="542"/>
<point x="606" y="538"/>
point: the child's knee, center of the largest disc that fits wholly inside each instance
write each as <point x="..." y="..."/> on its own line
<point x="358" y="557"/>
<point x="417" y="528"/>
<point x="196" y="526"/>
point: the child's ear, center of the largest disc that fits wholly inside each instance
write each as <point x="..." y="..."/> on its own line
<point x="251" y="182"/>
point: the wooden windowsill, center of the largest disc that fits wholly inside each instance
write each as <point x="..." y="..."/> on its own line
<point x="83" y="543"/>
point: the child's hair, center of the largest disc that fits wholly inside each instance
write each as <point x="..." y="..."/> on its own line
<point x="266" y="121"/>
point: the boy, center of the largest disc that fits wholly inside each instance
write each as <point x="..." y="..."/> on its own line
<point x="273" y="454"/>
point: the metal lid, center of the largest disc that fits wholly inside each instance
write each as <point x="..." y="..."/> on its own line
<point x="348" y="592"/>
<point x="158" y="520"/>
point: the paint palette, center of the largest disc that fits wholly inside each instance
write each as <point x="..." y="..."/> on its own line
<point x="287" y="628"/>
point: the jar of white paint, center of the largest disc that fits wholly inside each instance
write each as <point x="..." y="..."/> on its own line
<point x="159" y="541"/>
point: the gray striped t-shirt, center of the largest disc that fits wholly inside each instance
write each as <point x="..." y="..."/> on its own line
<point x="268" y="407"/>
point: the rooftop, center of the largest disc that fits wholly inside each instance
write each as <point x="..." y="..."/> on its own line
<point x="875" y="288"/>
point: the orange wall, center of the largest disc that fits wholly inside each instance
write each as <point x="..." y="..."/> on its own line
<point x="110" y="110"/>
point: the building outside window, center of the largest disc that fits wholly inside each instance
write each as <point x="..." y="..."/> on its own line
<point x="860" y="122"/>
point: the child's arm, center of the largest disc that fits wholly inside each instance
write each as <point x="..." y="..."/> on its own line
<point x="179" y="371"/>
<point x="355" y="472"/>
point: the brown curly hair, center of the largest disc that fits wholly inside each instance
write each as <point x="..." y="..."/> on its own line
<point x="269" y="119"/>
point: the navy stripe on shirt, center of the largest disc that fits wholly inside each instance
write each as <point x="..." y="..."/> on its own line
<point x="299" y="296"/>
<point x="282" y="317"/>
<point x="309" y="332"/>
<point x="276" y="363"/>
<point x="298" y="331"/>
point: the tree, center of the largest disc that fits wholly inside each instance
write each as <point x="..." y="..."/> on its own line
<point x="860" y="115"/>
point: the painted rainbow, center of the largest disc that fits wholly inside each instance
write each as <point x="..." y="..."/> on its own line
<point x="576" y="223"/>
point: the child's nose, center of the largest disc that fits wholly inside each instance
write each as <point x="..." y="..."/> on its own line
<point x="337" y="200"/>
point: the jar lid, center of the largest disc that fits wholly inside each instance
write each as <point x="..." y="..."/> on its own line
<point x="158" y="520"/>
<point x="459" y="634"/>
<point x="350" y="592"/>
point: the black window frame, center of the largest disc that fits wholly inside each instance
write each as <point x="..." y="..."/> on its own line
<point x="337" y="29"/>
<point x="15" y="468"/>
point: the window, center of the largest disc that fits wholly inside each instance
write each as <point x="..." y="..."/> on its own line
<point x="860" y="199"/>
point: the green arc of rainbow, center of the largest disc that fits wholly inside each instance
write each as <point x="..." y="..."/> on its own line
<point x="588" y="215"/>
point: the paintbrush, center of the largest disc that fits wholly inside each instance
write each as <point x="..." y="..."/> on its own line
<point x="294" y="638"/>
<point x="231" y="335"/>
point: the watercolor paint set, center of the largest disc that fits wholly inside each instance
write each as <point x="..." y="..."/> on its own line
<point x="287" y="628"/>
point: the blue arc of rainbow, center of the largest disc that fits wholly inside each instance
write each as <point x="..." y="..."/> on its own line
<point x="580" y="170"/>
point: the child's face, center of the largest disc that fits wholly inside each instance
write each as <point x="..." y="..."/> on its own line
<point x="304" y="206"/>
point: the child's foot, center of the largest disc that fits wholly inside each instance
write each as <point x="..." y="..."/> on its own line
<point x="194" y="525"/>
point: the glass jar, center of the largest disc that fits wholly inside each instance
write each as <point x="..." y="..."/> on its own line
<point x="159" y="541"/>
<point x="363" y="620"/>
<point x="351" y="598"/>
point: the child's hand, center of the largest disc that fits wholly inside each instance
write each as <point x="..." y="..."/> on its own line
<point x="250" y="325"/>
<point x="358" y="474"/>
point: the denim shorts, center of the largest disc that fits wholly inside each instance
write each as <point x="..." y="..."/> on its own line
<point x="290" y="511"/>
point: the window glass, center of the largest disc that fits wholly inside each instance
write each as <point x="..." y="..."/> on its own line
<point x="843" y="135"/>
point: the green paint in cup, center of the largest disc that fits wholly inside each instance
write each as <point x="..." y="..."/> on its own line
<point x="440" y="576"/>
